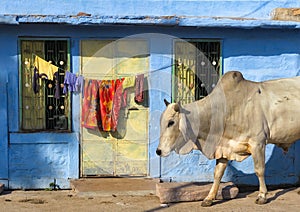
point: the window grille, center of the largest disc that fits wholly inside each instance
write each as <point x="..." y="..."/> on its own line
<point x="42" y="111"/>
<point x="196" y="71"/>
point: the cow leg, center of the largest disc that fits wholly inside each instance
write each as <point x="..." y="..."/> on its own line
<point x="259" y="166"/>
<point x="218" y="174"/>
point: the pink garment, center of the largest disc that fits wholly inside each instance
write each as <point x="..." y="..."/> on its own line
<point x="117" y="103"/>
<point x="139" y="88"/>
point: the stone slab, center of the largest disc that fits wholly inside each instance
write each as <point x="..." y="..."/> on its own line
<point x="286" y="14"/>
<point x="1" y="188"/>
<point x="114" y="186"/>
<point x="192" y="191"/>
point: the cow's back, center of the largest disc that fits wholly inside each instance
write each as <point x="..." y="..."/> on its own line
<point x="262" y="111"/>
<point x="280" y="102"/>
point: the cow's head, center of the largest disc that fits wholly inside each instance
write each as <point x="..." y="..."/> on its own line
<point x="174" y="133"/>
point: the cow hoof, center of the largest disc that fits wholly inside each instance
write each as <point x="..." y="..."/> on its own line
<point x="260" y="200"/>
<point x="206" y="203"/>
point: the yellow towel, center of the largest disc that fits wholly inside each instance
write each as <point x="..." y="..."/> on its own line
<point x="128" y="82"/>
<point x="45" y="67"/>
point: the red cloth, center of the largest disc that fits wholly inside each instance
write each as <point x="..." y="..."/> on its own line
<point x="89" y="116"/>
<point x="106" y="93"/>
<point x="139" y="88"/>
<point x="102" y="103"/>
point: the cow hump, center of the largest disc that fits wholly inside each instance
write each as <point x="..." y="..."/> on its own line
<point x="231" y="79"/>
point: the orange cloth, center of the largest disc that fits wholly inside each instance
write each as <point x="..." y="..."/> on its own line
<point x="106" y="92"/>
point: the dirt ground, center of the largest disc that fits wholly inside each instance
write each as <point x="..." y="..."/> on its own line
<point x="68" y="200"/>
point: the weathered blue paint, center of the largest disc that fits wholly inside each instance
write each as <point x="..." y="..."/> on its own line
<point x="205" y="8"/>
<point x="252" y="43"/>
<point x="36" y="160"/>
<point x="223" y="22"/>
<point x="3" y="130"/>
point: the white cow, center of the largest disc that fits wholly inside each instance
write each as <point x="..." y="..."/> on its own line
<point x="236" y="120"/>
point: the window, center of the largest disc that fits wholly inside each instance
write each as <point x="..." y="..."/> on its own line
<point x="196" y="70"/>
<point x="46" y="108"/>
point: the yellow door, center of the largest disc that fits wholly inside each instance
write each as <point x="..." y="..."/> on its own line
<point x="124" y="152"/>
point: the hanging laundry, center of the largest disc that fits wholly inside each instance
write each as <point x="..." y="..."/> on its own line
<point x="57" y="85"/>
<point x="90" y="116"/>
<point x="139" y="88"/>
<point x="35" y="80"/>
<point x="79" y="85"/>
<point x="69" y="82"/>
<point x="128" y="82"/>
<point x="106" y="92"/>
<point x="124" y="98"/>
<point x="117" y="103"/>
<point x="44" y="67"/>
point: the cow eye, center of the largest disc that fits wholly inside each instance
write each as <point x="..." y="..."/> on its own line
<point x="170" y="123"/>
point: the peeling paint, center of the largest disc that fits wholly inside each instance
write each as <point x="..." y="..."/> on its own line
<point x="184" y="21"/>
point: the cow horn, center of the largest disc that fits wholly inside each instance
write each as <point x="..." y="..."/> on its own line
<point x="166" y="102"/>
<point x="177" y="107"/>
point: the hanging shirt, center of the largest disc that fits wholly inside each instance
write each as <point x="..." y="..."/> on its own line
<point x="44" y="67"/>
<point x="69" y="82"/>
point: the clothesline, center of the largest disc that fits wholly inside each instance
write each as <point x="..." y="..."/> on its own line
<point x="145" y="72"/>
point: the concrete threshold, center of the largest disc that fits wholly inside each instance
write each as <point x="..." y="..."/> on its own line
<point x="114" y="186"/>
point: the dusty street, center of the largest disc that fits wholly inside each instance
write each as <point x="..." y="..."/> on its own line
<point x="67" y="200"/>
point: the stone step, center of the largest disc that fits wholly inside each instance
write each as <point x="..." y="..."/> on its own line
<point x="192" y="191"/>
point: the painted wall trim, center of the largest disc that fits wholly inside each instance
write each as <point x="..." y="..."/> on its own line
<point x="43" y="138"/>
<point x="4" y="128"/>
<point x="191" y="21"/>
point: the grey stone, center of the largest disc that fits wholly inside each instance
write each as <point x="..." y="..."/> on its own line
<point x="192" y="191"/>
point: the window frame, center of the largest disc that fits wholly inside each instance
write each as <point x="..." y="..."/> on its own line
<point x="190" y="41"/>
<point x="20" y="81"/>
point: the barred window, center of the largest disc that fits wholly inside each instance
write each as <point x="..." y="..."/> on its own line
<point x="43" y="106"/>
<point x="196" y="70"/>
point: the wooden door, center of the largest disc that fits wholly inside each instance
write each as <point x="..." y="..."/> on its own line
<point x="124" y="152"/>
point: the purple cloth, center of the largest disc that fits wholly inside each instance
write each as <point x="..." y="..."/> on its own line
<point x="69" y="82"/>
<point x="79" y="85"/>
<point x="35" y="80"/>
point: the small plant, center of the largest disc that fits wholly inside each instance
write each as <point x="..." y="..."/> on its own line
<point x="53" y="186"/>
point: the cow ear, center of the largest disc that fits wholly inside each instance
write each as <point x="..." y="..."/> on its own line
<point x="166" y="102"/>
<point x="183" y="126"/>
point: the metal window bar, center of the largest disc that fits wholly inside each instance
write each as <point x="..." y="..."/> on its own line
<point x="56" y="52"/>
<point x="197" y="69"/>
<point x="42" y="111"/>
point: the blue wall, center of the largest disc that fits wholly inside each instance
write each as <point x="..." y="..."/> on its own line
<point x="254" y="52"/>
<point x="35" y="160"/>
<point x="216" y="8"/>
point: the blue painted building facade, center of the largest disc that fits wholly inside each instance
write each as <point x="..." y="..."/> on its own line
<point x="251" y="42"/>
